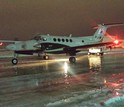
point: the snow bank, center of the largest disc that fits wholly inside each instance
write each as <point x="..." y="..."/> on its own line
<point x="115" y="102"/>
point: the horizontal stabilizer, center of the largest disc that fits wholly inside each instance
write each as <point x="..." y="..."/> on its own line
<point x="108" y="25"/>
<point x="117" y="24"/>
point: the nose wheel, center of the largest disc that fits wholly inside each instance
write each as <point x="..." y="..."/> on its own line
<point x="72" y="59"/>
<point x="14" y="61"/>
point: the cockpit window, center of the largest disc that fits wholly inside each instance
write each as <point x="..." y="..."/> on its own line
<point x="37" y="38"/>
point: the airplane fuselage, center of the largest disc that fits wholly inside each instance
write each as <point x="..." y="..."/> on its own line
<point x="49" y="44"/>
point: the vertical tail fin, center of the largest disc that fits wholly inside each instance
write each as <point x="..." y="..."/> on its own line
<point x="101" y="30"/>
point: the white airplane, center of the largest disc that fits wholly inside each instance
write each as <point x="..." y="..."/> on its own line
<point x="43" y="44"/>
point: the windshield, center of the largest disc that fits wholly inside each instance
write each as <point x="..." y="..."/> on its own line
<point x="38" y="37"/>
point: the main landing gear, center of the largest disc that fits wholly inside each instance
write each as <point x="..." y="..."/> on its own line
<point x="45" y="57"/>
<point x="72" y="59"/>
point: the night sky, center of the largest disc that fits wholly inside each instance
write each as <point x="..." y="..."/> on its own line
<point x="23" y="19"/>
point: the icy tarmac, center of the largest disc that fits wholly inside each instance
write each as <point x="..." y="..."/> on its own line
<point x="94" y="81"/>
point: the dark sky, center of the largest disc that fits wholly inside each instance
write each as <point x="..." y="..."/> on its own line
<point x="25" y="18"/>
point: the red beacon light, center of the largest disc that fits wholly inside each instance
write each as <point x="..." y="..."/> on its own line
<point x="1" y="44"/>
<point x="116" y="42"/>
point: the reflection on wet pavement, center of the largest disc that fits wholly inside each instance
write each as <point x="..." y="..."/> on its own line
<point x="56" y="82"/>
<point x="95" y="63"/>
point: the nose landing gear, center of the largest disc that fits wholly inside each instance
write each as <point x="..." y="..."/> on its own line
<point x="14" y="61"/>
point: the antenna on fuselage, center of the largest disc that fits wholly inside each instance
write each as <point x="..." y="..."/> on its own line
<point x="48" y="34"/>
<point x="70" y="35"/>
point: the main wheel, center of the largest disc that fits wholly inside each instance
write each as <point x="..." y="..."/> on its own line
<point x="72" y="59"/>
<point x="45" y="57"/>
<point x="14" y="61"/>
<point x="102" y="53"/>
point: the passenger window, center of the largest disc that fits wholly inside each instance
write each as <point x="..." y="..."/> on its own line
<point x="66" y="40"/>
<point x="54" y="39"/>
<point x="63" y="40"/>
<point x="59" y="39"/>
<point x="70" y="40"/>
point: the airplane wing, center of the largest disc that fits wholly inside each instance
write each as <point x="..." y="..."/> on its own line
<point x="9" y="41"/>
<point x="96" y="45"/>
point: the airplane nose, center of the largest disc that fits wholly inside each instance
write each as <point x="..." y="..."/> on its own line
<point x="11" y="47"/>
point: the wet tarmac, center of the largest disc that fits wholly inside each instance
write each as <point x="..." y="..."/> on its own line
<point x="57" y="83"/>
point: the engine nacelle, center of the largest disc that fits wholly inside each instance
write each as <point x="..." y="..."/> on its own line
<point x="11" y="47"/>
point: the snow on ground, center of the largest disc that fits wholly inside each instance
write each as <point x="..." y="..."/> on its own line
<point x="111" y="94"/>
<point x="94" y="98"/>
<point x="115" y="102"/>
